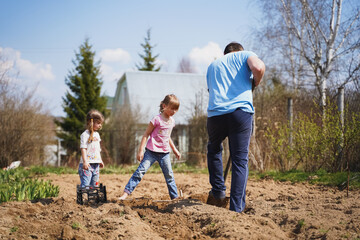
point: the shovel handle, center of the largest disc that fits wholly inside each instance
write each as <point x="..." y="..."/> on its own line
<point x="227" y="168"/>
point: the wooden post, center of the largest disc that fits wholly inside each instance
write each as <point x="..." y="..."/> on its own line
<point x="340" y="103"/>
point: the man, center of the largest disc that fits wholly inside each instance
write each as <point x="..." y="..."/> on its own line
<point x="230" y="80"/>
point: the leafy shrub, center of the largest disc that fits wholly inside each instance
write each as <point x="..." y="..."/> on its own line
<point x="317" y="142"/>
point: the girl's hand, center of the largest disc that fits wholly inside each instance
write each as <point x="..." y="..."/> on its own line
<point x="102" y="165"/>
<point x="140" y="156"/>
<point x="85" y="166"/>
<point x="177" y="154"/>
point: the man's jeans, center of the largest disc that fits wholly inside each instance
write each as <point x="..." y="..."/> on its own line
<point x="237" y="127"/>
<point x="149" y="159"/>
<point x="90" y="176"/>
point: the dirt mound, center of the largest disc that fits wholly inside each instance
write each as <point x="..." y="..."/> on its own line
<point x="274" y="211"/>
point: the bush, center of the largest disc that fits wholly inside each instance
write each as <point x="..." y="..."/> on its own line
<point x="120" y="134"/>
<point x="25" y="126"/>
<point x="317" y="143"/>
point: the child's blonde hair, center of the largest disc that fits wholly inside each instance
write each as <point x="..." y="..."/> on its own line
<point x="93" y="115"/>
<point x="170" y="100"/>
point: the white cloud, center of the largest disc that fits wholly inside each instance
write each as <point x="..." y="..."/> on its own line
<point x="38" y="71"/>
<point x="26" y="69"/>
<point x="115" y="55"/>
<point x="202" y="57"/>
<point x="109" y="74"/>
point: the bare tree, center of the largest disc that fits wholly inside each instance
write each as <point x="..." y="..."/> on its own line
<point x="197" y="130"/>
<point x="26" y="128"/>
<point x="121" y="133"/>
<point x="185" y="66"/>
<point x="317" y="40"/>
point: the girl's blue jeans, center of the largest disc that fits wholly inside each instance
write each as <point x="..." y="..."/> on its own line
<point x="149" y="159"/>
<point x="237" y="127"/>
<point x="90" y="176"/>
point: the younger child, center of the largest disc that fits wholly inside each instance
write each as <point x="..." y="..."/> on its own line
<point x="91" y="161"/>
<point x="157" y="147"/>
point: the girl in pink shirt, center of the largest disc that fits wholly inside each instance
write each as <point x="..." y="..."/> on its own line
<point x="158" y="144"/>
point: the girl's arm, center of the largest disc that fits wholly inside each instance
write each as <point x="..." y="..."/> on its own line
<point x="102" y="165"/>
<point x="83" y="155"/>
<point x="176" y="152"/>
<point x="140" y="154"/>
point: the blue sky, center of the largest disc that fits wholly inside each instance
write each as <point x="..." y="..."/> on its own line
<point x="39" y="38"/>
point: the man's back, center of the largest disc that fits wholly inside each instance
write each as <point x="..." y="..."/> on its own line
<point x="229" y="84"/>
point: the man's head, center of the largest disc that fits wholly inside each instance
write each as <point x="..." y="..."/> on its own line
<point x="233" y="47"/>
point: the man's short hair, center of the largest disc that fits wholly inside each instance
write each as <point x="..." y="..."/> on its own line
<point x="233" y="47"/>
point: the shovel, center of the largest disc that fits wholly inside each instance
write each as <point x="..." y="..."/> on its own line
<point x="226" y="171"/>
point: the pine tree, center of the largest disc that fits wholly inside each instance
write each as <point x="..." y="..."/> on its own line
<point x="149" y="60"/>
<point x="84" y="83"/>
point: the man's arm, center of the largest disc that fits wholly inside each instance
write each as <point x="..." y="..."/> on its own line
<point x="257" y="67"/>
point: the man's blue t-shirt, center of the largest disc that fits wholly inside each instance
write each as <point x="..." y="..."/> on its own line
<point x="229" y="84"/>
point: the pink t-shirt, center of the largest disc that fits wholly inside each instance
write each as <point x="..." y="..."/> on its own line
<point x="160" y="136"/>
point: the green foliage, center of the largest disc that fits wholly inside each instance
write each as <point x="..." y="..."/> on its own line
<point x="76" y="225"/>
<point x="317" y="142"/>
<point x="16" y="185"/>
<point x="40" y="170"/>
<point x="280" y="149"/>
<point x="301" y="223"/>
<point x="149" y="59"/>
<point x="84" y="84"/>
<point x="186" y="168"/>
<point x="155" y="168"/>
<point x="321" y="177"/>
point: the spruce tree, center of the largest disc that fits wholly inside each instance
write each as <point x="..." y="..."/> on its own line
<point x="84" y="83"/>
<point x="149" y="59"/>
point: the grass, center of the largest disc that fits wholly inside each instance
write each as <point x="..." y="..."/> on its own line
<point x="320" y="177"/>
<point x="129" y="169"/>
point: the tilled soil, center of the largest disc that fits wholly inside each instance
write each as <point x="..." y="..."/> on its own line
<point x="275" y="210"/>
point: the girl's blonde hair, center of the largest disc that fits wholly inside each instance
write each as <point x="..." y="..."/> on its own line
<point x="170" y="100"/>
<point x="93" y="115"/>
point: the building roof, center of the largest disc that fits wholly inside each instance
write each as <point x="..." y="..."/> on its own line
<point x="147" y="89"/>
